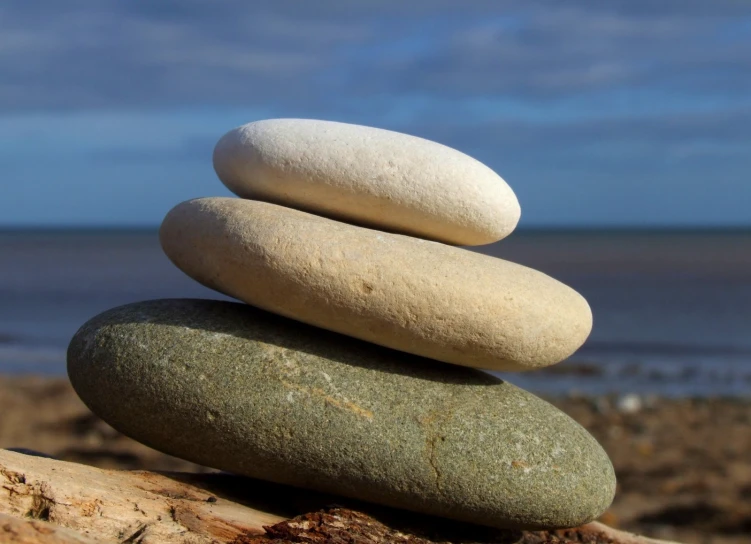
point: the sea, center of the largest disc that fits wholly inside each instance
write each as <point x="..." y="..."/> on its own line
<point x="672" y="309"/>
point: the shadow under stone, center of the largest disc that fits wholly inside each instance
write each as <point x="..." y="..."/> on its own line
<point x="253" y="324"/>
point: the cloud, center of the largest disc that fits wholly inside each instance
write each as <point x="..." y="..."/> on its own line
<point x="594" y="111"/>
<point x="114" y="54"/>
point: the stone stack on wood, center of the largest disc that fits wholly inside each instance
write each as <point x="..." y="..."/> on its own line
<point x="353" y="367"/>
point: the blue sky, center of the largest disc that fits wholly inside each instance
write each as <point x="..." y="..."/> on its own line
<point x="614" y="113"/>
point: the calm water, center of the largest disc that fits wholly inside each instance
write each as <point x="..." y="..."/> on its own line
<point x="672" y="310"/>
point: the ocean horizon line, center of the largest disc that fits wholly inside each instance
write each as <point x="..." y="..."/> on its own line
<point x="525" y="230"/>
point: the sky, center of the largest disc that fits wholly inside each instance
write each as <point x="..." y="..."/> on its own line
<point x="608" y="113"/>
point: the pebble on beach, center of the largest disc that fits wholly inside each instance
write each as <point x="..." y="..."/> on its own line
<point x="233" y="387"/>
<point x="369" y="176"/>
<point x="426" y="298"/>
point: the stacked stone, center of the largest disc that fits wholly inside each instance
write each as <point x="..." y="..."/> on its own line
<point x="333" y="377"/>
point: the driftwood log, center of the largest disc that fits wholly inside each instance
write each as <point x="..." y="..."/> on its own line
<point x="44" y="501"/>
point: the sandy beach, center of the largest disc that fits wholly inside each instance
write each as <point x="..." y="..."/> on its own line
<point x="682" y="464"/>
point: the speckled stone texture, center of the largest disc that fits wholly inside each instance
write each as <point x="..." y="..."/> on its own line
<point x="233" y="387"/>
<point x="422" y="297"/>
<point x="369" y="176"/>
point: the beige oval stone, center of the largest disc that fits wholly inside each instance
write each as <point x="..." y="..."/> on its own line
<point x="405" y="293"/>
<point x="368" y="176"/>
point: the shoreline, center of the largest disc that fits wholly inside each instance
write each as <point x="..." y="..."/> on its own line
<point x="683" y="464"/>
<point x="582" y="376"/>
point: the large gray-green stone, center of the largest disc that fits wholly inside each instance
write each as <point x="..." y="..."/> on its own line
<point x="233" y="387"/>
